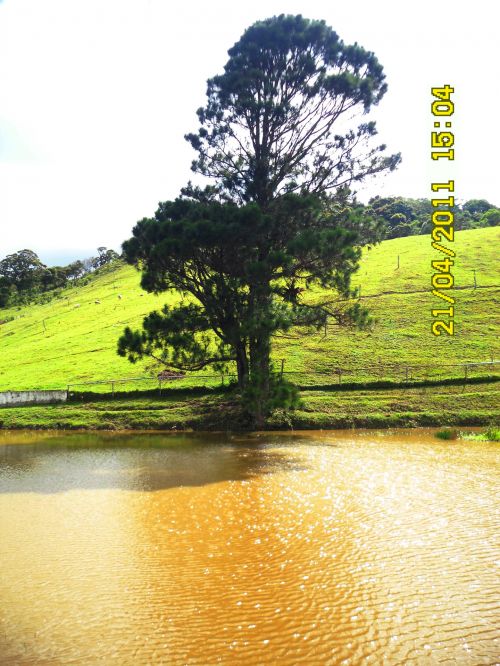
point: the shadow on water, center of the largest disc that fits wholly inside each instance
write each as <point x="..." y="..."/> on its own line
<point x="140" y="462"/>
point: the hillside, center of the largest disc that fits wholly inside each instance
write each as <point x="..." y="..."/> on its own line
<point x="73" y="338"/>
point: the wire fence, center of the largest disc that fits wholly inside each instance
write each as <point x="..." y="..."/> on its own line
<point x="400" y="373"/>
<point x="397" y="373"/>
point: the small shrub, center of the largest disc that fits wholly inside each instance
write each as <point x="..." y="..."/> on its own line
<point x="447" y="434"/>
<point x="492" y="434"/>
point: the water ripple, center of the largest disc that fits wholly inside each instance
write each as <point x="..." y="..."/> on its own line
<point x="316" y="548"/>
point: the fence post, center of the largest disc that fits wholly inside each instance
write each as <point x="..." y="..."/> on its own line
<point x="113" y="389"/>
<point x="466" y="368"/>
<point x="159" y="381"/>
<point x="282" y="368"/>
<point x="340" y="375"/>
<point x="406" y="373"/>
<point x="475" y="282"/>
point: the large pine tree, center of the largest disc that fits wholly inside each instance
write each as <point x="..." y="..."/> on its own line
<point x="280" y="148"/>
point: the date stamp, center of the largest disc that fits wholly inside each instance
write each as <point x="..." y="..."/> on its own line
<point x="443" y="230"/>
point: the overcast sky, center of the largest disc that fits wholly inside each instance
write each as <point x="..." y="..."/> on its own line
<point x="96" y="96"/>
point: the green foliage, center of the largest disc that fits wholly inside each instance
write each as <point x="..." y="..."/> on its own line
<point x="176" y="337"/>
<point x="209" y="251"/>
<point x="8" y="292"/>
<point x="491" y="218"/>
<point x="23" y="277"/>
<point x="75" y="270"/>
<point x="282" y="395"/>
<point x="270" y="226"/>
<point x="104" y="257"/>
<point x="22" y="269"/>
<point x="476" y="207"/>
<point x="399" y="217"/>
<point x="447" y="434"/>
<point x="270" y="123"/>
<point x="491" y="434"/>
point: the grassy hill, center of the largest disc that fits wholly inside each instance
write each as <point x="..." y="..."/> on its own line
<point x="72" y="339"/>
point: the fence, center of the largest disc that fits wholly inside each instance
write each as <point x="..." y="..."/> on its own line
<point x="396" y="373"/>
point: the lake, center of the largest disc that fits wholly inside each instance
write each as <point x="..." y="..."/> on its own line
<point x="331" y="547"/>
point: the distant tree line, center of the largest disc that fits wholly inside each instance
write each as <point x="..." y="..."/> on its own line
<point x="400" y="217"/>
<point x="23" y="276"/>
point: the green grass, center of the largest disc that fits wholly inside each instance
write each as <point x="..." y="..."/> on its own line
<point x="491" y="434"/>
<point x="57" y="343"/>
<point x="447" y="434"/>
<point x="418" y="406"/>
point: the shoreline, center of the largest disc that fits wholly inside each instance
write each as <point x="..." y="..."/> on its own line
<point x="418" y="406"/>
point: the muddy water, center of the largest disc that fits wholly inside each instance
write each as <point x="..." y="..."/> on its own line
<point x="310" y="548"/>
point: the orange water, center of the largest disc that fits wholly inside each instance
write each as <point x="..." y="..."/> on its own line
<point x="310" y="548"/>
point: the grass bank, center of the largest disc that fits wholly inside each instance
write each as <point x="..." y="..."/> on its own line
<point x="473" y="404"/>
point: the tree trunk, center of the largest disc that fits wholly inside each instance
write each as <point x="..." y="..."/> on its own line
<point x="242" y="365"/>
<point x="260" y="371"/>
<point x="260" y="354"/>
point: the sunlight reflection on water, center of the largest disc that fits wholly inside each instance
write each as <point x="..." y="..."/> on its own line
<point x="314" y="548"/>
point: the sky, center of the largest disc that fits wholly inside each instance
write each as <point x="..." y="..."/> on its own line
<point x="96" y="96"/>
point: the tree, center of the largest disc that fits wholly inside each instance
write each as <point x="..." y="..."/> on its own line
<point x="7" y="292"/>
<point x="491" y="218"/>
<point x="401" y="216"/>
<point x="54" y="277"/>
<point x="277" y="218"/>
<point x="462" y="220"/>
<point x="75" y="270"/>
<point x="104" y="257"/>
<point x="476" y="207"/>
<point x="22" y="269"/>
<point x="268" y="126"/>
